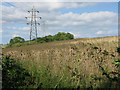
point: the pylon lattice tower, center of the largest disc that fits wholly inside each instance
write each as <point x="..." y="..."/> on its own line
<point x="33" y="23"/>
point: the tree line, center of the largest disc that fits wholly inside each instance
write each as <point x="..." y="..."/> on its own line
<point x="57" y="37"/>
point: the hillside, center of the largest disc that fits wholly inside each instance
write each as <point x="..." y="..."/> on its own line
<point x="69" y="63"/>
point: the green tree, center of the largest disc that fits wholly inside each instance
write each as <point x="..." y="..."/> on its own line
<point x="16" y="40"/>
<point x="63" y="36"/>
<point x="70" y="36"/>
<point x="59" y="36"/>
<point x="49" y="38"/>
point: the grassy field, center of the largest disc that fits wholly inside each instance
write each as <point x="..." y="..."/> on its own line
<point x="77" y="63"/>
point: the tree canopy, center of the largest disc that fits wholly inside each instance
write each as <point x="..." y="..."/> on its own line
<point x="58" y="37"/>
<point x="16" y="40"/>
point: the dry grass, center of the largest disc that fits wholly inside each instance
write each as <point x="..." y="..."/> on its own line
<point x="69" y="55"/>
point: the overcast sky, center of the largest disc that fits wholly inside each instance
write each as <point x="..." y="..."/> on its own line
<point x="91" y="19"/>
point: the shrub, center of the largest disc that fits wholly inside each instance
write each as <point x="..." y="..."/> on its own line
<point x="59" y="36"/>
<point x="13" y="75"/>
<point x="16" y="40"/>
<point x="63" y="36"/>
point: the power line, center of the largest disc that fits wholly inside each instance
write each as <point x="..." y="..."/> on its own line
<point x="9" y="4"/>
<point x="33" y="23"/>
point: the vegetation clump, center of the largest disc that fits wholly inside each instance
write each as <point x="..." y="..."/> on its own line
<point x="118" y="50"/>
<point x="95" y="47"/>
<point x="105" y="52"/>
<point x="14" y="75"/>
<point x="73" y="64"/>
<point x="18" y="41"/>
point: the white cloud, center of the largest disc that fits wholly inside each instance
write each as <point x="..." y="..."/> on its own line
<point x="107" y="32"/>
<point x="16" y="28"/>
<point x="94" y="22"/>
<point x="10" y="28"/>
<point x="16" y="14"/>
<point x="102" y="18"/>
<point x="53" y="5"/>
<point x="76" y="34"/>
<point x="99" y="32"/>
<point x="15" y="35"/>
<point x="25" y="28"/>
<point x="77" y="22"/>
<point x="13" y="15"/>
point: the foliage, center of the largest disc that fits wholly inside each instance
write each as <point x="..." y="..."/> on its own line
<point x="57" y="37"/>
<point x="16" y="40"/>
<point x="107" y="72"/>
<point x="63" y="36"/>
<point x="105" y="52"/>
<point x="90" y="53"/>
<point x="112" y="76"/>
<point x="79" y="61"/>
<point x="95" y="47"/>
<point x="116" y="63"/>
<point x="118" y="50"/>
<point x="14" y="75"/>
<point x="48" y="38"/>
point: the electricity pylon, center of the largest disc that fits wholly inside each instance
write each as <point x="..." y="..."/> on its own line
<point x="33" y="23"/>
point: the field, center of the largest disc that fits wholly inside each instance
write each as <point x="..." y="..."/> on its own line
<point x="77" y="63"/>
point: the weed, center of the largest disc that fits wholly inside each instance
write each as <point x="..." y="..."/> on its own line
<point x="112" y="55"/>
<point x="95" y="47"/>
<point x="90" y="53"/>
<point x="14" y="76"/>
<point x="53" y="64"/>
<point x="105" y="52"/>
<point x="117" y="63"/>
<point x="118" y="50"/>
